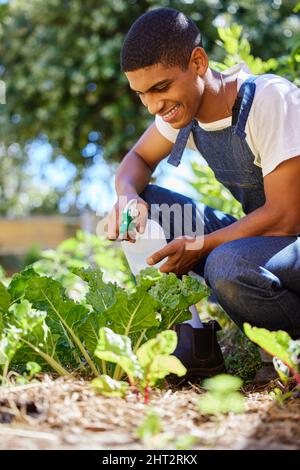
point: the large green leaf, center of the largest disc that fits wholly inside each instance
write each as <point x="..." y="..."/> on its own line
<point x="164" y="343"/>
<point x="149" y="277"/>
<point x="175" y="293"/>
<point x="276" y="343"/>
<point x="65" y="317"/>
<point x="101" y="295"/>
<point x="154" y="356"/>
<point x="20" y="321"/>
<point x="4" y="298"/>
<point x="47" y="294"/>
<point x="19" y="283"/>
<point x="124" y="311"/>
<point x="117" y="349"/>
<point x="27" y="337"/>
<point x="9" y="343"/>
<point x="35" y="340"/>
<point x="154" y="304"/>
<point x="175" y="296"/>
<point x="133" y="312"/>
<point x="24" y="317"/>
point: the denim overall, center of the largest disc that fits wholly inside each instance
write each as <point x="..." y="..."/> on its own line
<point x="255" y="279"/>
<point x="228" y="154"/>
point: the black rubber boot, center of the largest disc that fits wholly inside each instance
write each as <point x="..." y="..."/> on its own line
<point x="199" y="351"/>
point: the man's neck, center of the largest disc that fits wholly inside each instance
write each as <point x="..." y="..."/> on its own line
<point x="215" y="100"/>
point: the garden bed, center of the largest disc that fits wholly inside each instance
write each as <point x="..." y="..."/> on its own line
<point x="68" y="414"/>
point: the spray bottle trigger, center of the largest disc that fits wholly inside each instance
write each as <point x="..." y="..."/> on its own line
<point x="129" y="214"/>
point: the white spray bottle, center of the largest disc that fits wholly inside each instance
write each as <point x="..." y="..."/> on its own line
<point x="153" y="239"/>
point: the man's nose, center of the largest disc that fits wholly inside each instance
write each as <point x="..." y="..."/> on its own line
<point x="153" y="104"/>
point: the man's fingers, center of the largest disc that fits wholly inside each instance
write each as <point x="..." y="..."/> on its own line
<point x="131" y="236"/>
<point x="143" y="217"/>
<point x="165" y="268"/>
<point x="161" y="254"/>
<point x="112" y="229"/>
<point x="114" y="220"/>
<point x="111" y="225"/>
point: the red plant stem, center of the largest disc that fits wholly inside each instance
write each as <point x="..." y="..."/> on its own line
<point x="296" y="376"/>
<point x="147" y="394"/>
<point x="133" y="387"/>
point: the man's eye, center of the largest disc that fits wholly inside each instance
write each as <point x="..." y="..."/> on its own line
<point x="162" y="89"/>
<point x="157" y="90"/>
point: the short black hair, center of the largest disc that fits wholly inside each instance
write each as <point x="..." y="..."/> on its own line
<point x="162" y="35"/>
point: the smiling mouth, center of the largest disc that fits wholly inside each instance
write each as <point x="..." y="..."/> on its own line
<point x="171" y="113"/>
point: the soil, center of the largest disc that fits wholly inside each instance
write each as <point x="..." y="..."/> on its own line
<point x="66" y="414"/>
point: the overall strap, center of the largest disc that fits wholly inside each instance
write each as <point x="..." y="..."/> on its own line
<point x="180" y="144"/>
<point x="242" y="106"/>
<point x="240" y="112"/>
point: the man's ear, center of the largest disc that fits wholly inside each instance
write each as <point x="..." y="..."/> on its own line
<point x="199" y="61"/>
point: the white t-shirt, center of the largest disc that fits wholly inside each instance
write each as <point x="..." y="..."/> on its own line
<point x="273" y="124"/>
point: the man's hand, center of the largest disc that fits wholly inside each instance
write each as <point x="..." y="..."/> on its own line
<point x="183" y="253"/>
<point x="114" y="218"/>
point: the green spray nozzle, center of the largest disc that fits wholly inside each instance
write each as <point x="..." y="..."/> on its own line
<point x="129" y="213"/>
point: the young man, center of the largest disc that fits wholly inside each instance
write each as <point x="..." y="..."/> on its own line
<point x="248" y="130"/>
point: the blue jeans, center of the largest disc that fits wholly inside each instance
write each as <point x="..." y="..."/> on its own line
<point x="255" y="279"/>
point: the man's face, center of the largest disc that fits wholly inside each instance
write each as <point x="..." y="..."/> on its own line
<point x="168" y="91"/>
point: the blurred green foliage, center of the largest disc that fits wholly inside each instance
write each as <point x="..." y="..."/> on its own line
<point x="238" y="49"/>
<point x="242" y="357"/>
<point x="60" y="61"/>
<point x="20" y="192"/>
<point x="222" y="396"/>
<point x="2" y="274"/>
<point x="83" y="251"/>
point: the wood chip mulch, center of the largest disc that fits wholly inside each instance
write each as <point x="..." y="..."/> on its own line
<point x="68" y="414"/>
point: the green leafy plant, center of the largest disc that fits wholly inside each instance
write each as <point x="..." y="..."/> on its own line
<point x="280" y="396"/>
<point x="39" y="322"/>
<point x="242" y="358"/>
<point x="155" y="303"/>
<point x="25" y="335"/>
<point x="238" y="49"/>
<point x="279" y="344"/>
<point x="150" y="428"/>
<point x="33" y="368"/>
<point x="152" y="435"/>
<point x="82" y="251"/>
<point x="222" y="395"/>
<point x="109" y="387"/>
<point x="152" y="361"/>
<point x="28" y="376"/>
